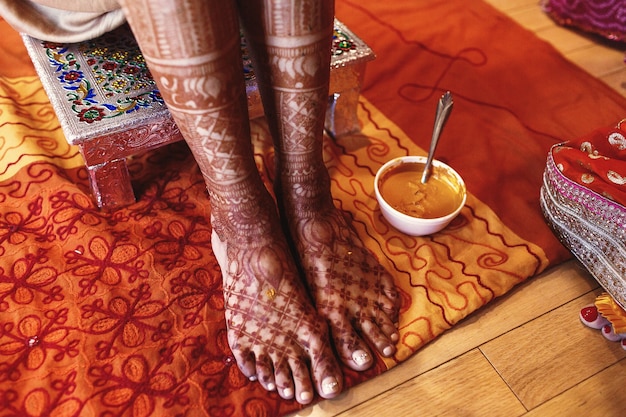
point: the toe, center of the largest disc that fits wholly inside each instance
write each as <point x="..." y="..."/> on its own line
<point x="301" y="381"/>
<point x="391" y="301"/>
<point x="246" y="363"/>
<point x="361" y="359"/>
<point x="284" y="381"/>
<point x="387" y="326"/>
<point x="265" y="373"/>
<point x="326" y="374"/>
<point x="352" y="350"/>
<point x="330" y="387"/>
<point x="383" y="343"/>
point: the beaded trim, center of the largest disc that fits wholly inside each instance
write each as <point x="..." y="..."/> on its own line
<point x="590" y="226"/>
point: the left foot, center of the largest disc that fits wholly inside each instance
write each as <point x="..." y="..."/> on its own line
<point x="351" y="289"/>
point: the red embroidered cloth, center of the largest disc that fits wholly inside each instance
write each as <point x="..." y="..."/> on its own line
<point x="120" y="313"/>
<point x="597" y="161"/>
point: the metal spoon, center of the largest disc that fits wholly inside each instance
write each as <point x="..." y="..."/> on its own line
<point x="443" y="111"/>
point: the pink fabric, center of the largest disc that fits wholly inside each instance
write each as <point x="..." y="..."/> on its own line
<point x="604" y="17"/>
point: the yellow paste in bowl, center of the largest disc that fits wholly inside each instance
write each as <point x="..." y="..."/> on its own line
<point x="402" y="188"/>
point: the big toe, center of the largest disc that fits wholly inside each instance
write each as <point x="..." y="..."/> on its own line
<point x="327" y="374"/>
<point x="351" y="349"/>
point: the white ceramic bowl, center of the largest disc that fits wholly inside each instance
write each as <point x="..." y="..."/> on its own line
<point x="413" y="224"/>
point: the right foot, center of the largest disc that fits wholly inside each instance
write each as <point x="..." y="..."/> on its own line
<point x="274" y="332"/>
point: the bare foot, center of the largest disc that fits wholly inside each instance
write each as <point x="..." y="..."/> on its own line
<point x="275" y="334"/>
<point x="351" y="289"/>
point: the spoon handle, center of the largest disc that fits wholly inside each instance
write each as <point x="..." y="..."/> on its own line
<point x="444" y="106"/>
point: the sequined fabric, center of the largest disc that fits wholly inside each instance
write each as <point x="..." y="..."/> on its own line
<point x="583" y="198"/>
<point x="604" y="17"/>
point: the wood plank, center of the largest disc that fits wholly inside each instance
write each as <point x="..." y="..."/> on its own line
<point x="616" y="80"/>
<point x="564" y="284"/>
<point x="598" y="60"/>
<point x="467" y="385"/>
<point x="511" y="6"/>
<point x="601" y="395"/>
<point x="532" y="18"/>
<point x="551" y="354"/>
<point x="564" y="40"/>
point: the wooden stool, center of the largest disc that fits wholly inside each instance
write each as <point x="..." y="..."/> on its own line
<point x="108" y="104"/>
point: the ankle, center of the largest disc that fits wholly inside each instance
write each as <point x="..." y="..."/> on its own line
<point x="243" y="212"/>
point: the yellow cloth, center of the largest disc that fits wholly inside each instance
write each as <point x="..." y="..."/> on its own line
<point x="443" y="277"/>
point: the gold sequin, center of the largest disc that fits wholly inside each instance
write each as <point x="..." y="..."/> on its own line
<point x="271" y="293"/>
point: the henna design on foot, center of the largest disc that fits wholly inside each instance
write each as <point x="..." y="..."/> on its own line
<point x="275" y="334"/>
<point x="351" y="289"/>
<point x="277" y="337"/>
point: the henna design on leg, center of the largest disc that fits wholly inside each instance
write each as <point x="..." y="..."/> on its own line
<point x="351" y="290"/>
<point x="277" y="337"/>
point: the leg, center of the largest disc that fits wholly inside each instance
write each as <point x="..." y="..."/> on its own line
<point x="192" y="49"/>
<point x="110" y="183"/>
<point x="293" y="65"/>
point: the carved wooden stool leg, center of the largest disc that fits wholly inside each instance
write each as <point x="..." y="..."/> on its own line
<point x="341" y="117"/>
<point x="110" y="183"/>
<point x="345" y="83"/>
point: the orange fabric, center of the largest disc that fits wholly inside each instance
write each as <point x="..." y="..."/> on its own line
<point x="121" y="312"/>
<point x="15" y="60"/>
<point x="515" y="96"/>
<point x="443" y="277"/>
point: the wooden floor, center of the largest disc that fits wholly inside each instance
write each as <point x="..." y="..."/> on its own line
<point x="525" y="354"/>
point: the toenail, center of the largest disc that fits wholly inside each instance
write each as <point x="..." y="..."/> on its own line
<point x="288" y="393"/>
<point x="253" y="378"/>
<point x="360" y="357"/>
<point x="271" y="387"/>
<point x="395" y="337"/>
<point x="306" y="396"/>
<point x="388" y="351"/>
<point x="330" y="385"/>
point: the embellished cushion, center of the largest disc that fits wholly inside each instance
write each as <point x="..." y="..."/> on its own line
<point x="603" y="17"/>
<point x="583" y="198"/>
